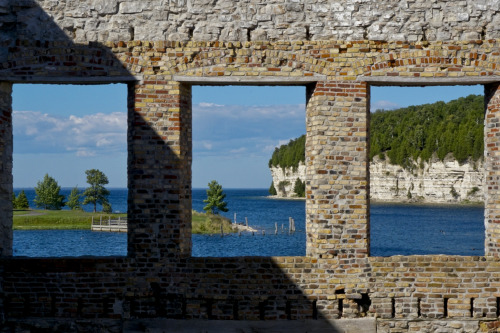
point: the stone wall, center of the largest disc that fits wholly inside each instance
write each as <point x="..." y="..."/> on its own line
<point x="50" y="41"/>
<point x="251" y="20"/>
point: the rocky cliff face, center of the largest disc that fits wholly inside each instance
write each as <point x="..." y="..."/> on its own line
<point x="437" y="182"/>
<point x="284" y="179"/>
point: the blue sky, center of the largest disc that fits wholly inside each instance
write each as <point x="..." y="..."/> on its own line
<point x="64" y="130"/>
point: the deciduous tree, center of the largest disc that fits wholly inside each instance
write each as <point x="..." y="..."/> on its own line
<point x="96" y="193"/>
<point x="47" y="194"/>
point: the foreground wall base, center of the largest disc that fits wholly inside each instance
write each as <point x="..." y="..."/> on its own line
<point x="365" y="325"/>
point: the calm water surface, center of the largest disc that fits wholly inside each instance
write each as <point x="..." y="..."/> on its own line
<point x="395" y="229"/>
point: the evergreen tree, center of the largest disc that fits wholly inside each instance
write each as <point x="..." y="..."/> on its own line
<point x="14" y="201"/>
<point x="416" y="132"/>
<point x="215" y="199"/>
<point x="74" y="202"/>
<point x="300" y="188"/>
<point x="289" y="155"/>
<point x="96" y="193"/>
<point x="272" y="189"/>
<point x="22" y="201"/>
<point x="408" y="134"/>
<point x="47" y="194"/>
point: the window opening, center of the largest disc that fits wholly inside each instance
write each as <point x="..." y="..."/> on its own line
<point x="236" y="129"/>
<point x="426" y="162"/>
<point x="62" y="131"/>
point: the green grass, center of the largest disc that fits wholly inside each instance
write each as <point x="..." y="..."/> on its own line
<point x="76" y="219"/>
<point x="210" y="224"/>
<point x="56" y="219"/>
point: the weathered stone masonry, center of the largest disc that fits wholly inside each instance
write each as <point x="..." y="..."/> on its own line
<point x="160" y="50"/>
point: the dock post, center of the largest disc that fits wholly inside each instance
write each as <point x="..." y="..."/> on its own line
<point x="234" y="218"/>
<point x="221" y="231"/>
<point x="275" y="228"/>
<point x="246" y="221"/>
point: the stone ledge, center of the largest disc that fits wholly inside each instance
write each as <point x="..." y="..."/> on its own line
<point x="427" y="81"/>
<point x="254" y="80"/>
<point x="71" y="80"/>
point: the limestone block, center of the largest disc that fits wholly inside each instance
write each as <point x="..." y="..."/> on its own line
<point x="133" y="7"/>
<point x="105" y="6"/>
<point x="258" y="35"/>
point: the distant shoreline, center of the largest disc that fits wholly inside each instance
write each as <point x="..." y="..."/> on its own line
<point x="275" y="197"/>
<point x="389" y="202"/>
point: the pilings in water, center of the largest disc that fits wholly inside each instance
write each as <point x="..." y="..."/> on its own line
<point x="291" y="225"/>
<point x="240" y="227"/>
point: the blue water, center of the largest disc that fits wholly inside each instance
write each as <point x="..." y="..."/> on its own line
<point x="396" y="229"/>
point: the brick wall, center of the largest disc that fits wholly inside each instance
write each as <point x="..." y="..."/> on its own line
<point x="6" y="169"/>
<point x="492" y="169"/>
<point x="337" y="279"/>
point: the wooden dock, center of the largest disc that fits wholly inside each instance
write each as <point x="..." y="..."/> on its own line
<point x="119" y="225"/>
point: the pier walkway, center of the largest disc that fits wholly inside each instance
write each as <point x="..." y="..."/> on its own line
<point x="119" y="225"/>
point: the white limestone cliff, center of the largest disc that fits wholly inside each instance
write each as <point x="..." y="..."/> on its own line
<point x="437" y="182"/>
<point x="284" y="179"/>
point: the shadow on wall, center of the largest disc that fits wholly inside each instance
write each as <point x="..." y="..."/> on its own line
<point x="154" y="281"/>
<point x="53" y="56"/>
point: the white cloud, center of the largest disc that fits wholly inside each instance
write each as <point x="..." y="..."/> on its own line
<point x="238" y="150"/>
<point x="99" y="133"/>
<point x="85" y="153"/>
<point x="211" y="110"/>
<point x="207" y="145"/>
<point x="384" y="105"/>
<point x="209" y="105"/>
<point x="268" y="148"/>
<point x="283" y="142"/>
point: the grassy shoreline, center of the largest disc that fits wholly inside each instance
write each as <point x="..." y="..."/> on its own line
<point x="202" y="223"/>
<point x="56" y="219"/>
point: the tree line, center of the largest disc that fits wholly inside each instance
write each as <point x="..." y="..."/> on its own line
<point x="47" y="194"/>
<point x="421" y="132"/>
<point x="289" y="155"/>
<point x="411" y="134"/>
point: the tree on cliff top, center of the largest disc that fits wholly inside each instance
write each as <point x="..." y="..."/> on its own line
<point x="289" y="155"/>
<point x="415" y="132"/>
<point x="428" y="130"/>
<point x="215" y="199"/>
<point x="96" y="193"/>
